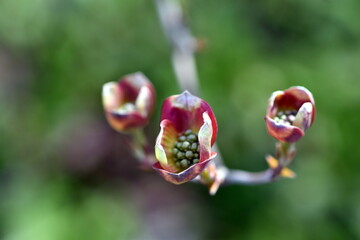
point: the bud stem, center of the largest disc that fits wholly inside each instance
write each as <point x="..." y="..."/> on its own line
<point x="141" y="148"/>
<point x="285" y="153"/>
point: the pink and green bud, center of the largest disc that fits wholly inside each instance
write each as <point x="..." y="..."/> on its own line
<point x="290" y="113"/>
<point x="183" y="146"/>
<point x="129" y="102"/>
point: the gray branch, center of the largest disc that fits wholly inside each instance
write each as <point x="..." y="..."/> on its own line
<point x="183" y="48"/>
<point x="182" y="42"/>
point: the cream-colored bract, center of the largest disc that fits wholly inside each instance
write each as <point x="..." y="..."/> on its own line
<point x="142" y="101"/>
<point x="205" y="135"/>
<point x="159" y="150"/>
<point x="303" y="117"/>
<point x="111" y="96"/>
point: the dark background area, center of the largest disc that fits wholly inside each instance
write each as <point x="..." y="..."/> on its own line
<point x="65" y="174"/>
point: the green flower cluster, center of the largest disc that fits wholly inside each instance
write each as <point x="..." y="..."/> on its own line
<point x="186" y="149"/>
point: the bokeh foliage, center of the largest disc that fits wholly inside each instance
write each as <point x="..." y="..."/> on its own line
<point x="64" y="174"/>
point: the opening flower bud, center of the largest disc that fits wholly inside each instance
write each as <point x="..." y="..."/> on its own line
<point x="183" y="146"/>
<point x="129" y="102"/>
<point x="290" y="113"/>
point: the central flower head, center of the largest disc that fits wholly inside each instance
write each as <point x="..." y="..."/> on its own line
<point x="188" y="130"/>
<point x="186" y="149"/>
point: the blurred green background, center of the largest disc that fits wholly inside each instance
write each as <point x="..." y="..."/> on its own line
<point x="65" y="174"/>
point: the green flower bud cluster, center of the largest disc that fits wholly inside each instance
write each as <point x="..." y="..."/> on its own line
<point x="286" y="117"/>
<point x="186" y="149"/>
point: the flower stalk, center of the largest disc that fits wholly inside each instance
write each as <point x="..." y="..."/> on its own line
<point x="141" y="148"/>
<point x="128" y="105"/>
